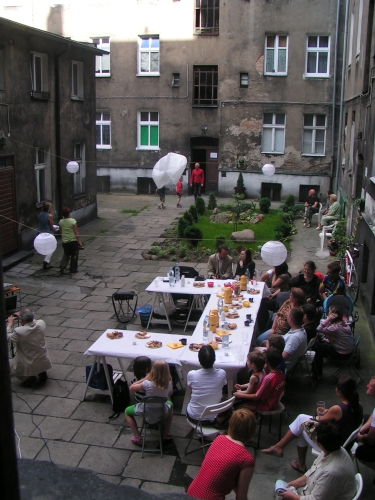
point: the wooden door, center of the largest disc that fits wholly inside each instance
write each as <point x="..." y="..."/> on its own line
<point x="8" y="213"/>
<point x="212" y="170"/>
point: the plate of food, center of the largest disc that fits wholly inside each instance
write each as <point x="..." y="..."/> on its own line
<point x="115" y="335"/>
<point x="237" y="306"/>
<point x="232" y="326"/>
<point x="154" y="344"/>
<point x="195" y="347"/>
<point x="199" y="284"/>
<point x="142" y="335"/>
<point x="232" y="315"/>
<point x="253" y="291"/>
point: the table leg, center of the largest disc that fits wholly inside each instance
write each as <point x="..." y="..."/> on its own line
<point x="152" y="310"/>
<point x="191" y="307"/>
<point x="109" y="381"/>
<point x="89" y="377"/>
<point x="166" y="313"/>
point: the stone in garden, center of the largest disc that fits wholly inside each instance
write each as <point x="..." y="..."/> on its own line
<point x="222" y="218"/>
<point x="215" y="211"/>
<point x="245" y="235"/>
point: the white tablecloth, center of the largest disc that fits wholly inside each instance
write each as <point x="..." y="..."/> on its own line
<point x="160" y="286"/>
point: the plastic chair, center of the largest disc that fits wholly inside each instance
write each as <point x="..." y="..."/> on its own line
<point x="327" y="231"/>
<point x="349" y="440"/>
<point x="153" y="410"/>
<point x="118" y="300"/>
<point x="318" y="213"/>
<point x="359" y="481"/>
<point x="347" y="305"/>
<point x="203" y="431"/>
<point x="279" y="410"/>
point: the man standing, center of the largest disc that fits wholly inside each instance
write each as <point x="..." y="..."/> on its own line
<point x="366" y="436"/>
<point x="220" y="264"/>
<point x="311" y="206"/>
<point x="32" y="357"/>
<point x="295" y="339"/>
<point x="197" y="180"/>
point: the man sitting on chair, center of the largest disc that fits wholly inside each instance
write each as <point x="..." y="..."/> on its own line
<point x="295" y="339"/>
<point x="220" y="264"/>
<point x="206" y="385"/>
<point x="333" y="214"/>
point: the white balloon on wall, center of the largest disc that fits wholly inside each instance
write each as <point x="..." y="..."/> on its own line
<point x="45" y="243"/>
<point x="268" y="169"/>
<point x="72" y="167"/>
<point x="273" y="253"/>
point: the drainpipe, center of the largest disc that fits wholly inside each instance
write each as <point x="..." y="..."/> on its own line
<point x="334" y="90"/>
<point x="341" y="98"/>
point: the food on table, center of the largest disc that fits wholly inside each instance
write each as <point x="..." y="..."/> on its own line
<point x="218" y="339"/>
<point x="232" y="315"/>
<point x="252" y="291"/>
<point x="214" y="345"/>
<point x="142" y="335"/>
<point x="236" y="306"/>
<point x="115" y="335"/>
<point x="195" y="347"/>
<point x="154" y="344"/>
<point x="199" y="284"/>
<point x="232" y="326"/>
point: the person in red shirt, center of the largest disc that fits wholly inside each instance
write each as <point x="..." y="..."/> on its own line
<point x="271" y="387"/>
<point x="197" y="180"/>
<point x="179" y="192"/>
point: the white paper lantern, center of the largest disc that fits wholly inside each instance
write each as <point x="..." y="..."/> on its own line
<point x="268" y="169"/>
<point x="45" y="243"/>
<point x="273" y="253"/>
<point x="72" y="167"/>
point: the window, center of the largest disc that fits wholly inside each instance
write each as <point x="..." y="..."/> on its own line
<point x="148" y="130"/>
<point x="205" y="85"/>
<point x="317" y="59"/>
<point x="103" y="63"/>
<point x="359" y="28"/>
<point x="42" y="169"/>
<point x="350" y="49"/>
<point x="77" y="80"/>
<point x="276" y="60"/>
<point x="244" y="79"/>
<point x="207" y="17"/>
<point x="148" y="56"/>
<point x="103" y="130"/>
<point x="80" y="175"/>
<point x="175" y="79"/>
<point x="273" y="140"/>
<point x="314" y="134"/>
<point x="39" y="76"/>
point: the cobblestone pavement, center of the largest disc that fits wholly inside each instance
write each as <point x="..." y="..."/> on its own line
<point x="54" y="424"/>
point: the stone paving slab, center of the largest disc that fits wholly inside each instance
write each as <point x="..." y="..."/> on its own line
<point x="26" y="424"/>
<point x="150" y="467"/>
<point x="105" y="460"/>
<point x="97" y="434"/>
<point x="62" y="429"/>
<point x="95" y="412"/>
<point x="29" y="447"/>
<point x="24" y="403"/>
<point x="62" y="453"/>
<point x="57" y="407"/>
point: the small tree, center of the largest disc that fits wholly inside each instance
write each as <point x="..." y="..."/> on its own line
<point x="264" y="205"/>
<point x="193" y="212"/>
<point x="194" y="235"/>
<point x="289" y="201"/>
<point x="212" y="201"/>
<point x="188" y="217"/>
<point x="181" y="226"/>
<point x="201" y="205"/>
<point x="240" y="182"/>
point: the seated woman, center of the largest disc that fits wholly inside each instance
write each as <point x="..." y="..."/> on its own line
<point x="245" y="263"/>
<point x="333" y="283"/>
<point x="332" y="475"/>
<point x="309" y="282"/>
<point x="227" y="466"/>
<point x="347" y="415"/>
<point x="338" y="340"/>
<point x="156" y="383"/>
<point x="333" y="214"/>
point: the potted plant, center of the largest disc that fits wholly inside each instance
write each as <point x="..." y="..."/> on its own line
<point x="359" y="204"/>
<point x="240" y="188"/>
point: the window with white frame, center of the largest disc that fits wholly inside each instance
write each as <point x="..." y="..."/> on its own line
<point x="148" y="130"/>
<point x="103" y="130"/>
<point x="273" y="137"/>
<point x="359" y="28"/>
<point x="351" y="34"/>
<point x="80" y="175"/>
<point x="102" y="63"/>
<point x="314" y="135"/>
<point x="317" y="57"/>
<point x="148" y="56"/>
<point x="276" y="60"/>
<point x="39" y="75"/>
<point x="42" y="170"/>
<point x="77" y="80"/>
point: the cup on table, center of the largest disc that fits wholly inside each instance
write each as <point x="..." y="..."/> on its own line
<point x="183" y="341"/>
<point x="188" y="282"/>
<point x="134" y="342"/>
<point x="225" y="341"/>
<point x="247" y="322"/>
<point x="248" y="317"/>
<point x="210" y="284"/>
<point x="320" y="408"/>
<point x="244" y="337"/>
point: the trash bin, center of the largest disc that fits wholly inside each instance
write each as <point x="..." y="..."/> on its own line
<point x="144" y="314"/>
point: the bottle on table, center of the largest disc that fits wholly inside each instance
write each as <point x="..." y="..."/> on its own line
<point x="205" y="330"/>
<point x="247" y="274"/>
<point x="171" y="277"/>
<point x="177" y="273"/>
<point x="183" y="280"/>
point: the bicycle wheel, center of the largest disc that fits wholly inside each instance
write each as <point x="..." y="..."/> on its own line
<point x="353" y="287"/>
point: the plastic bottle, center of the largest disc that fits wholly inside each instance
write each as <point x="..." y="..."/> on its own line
<point x="220" y="305"/>
<point x="205" y="330"/>
<point x="255" y="276"/>
<point x="171" y="277"/>
<point x="182" y="280"/>
<point x="247" y="274"/>
<point x="177" y="273"/>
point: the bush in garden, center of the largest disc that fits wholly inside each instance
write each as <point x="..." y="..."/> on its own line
<point x="183" y="250"/>
<point x="188" y="217"/>
<point x="211" y="201"/>
<point x="181" y="226"/>
<point x="264" y="205"/>
<point x="194" y="212"/>
<point x="283" y="230"/>
<point x="194" y="235"/>
<point x="289" y="201"/>
<point x="201" y="205"/>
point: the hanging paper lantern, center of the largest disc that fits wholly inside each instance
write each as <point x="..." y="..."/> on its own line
<point x="273" y="253"/>
<point x="72" y="167"/>
<point x="45" y="243"/>
<point x="268" y="169"/>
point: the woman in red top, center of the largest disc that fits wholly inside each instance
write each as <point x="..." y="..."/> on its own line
<point x="227" y="465"/>
<point x="197" y="180"/>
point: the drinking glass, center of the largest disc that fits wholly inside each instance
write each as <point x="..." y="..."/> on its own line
<point x="244" y="337"/>
<point x="320" y="407"/>
<point x="225" y="341"/>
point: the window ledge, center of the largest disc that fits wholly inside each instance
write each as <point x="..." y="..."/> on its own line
<point x="311" y="75"/>
<point x="104" y="75"/>
<point x="78" y="196"/>
<point x="205" y="105"/>
<point x="147" y="74"/>
<point x="75" y="98"/>
<point x="275" y="153"/>
<point x="40" y="96"/>
<point x="320" y="155"/>
<point x="100" y="146"/>
<point x="146" y="148"/>
<point x="275" y="74"/>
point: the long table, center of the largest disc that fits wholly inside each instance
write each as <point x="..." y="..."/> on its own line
<point x="184" y="357"/>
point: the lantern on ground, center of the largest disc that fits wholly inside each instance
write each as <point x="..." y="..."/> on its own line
<point x="273" y="253"/>
<point x="72" y="167"/>
<point x="45" y="243"/>
<point x="268" y="169"/>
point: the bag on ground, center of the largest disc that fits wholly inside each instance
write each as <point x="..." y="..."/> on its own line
<point x="121" y="398"/>
<point x="98" y="379"/>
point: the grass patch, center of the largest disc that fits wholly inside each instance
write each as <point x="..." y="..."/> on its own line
<point x="133" y="212"/>
<point x="104" y="231"/>
<point x="263" y="231"/>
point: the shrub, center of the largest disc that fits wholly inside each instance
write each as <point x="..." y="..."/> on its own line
<point x="289" y="201"/>
<point x="163" y="254"/>
<point x="183" y="250"/>
<point x="188" y="217"/>
<point x="240" y="182"/>
<point x="181" y="226"/>
<point x="264" y="205"/>
<point x="155" y="250"/>
<point x="194" y="213"/>
<point x="220" y="240"/>
<point x="211" y="201"/>
<point x="201" y="205"/>
<point x="194" y="235"/>
<point x="172" y="250"/>
<point x="283" y="230"/>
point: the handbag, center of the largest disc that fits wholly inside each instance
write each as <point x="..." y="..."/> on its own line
<point x="121" y="398"/>
<point x="310" y="428"/>
<point x="98" y="379"/>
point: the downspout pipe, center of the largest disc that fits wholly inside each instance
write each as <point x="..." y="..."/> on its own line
<point x="334" y="89"/>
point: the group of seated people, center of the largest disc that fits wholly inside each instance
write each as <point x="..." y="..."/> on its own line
<point x="326" y="215"/>
<point x="220" y="264"/>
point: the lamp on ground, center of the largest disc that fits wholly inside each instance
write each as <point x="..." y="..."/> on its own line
<point x="72" y="167"/>
<point x="268" y="169"/>
<point x="273" y="253"/>
<point x="45" y="243"/>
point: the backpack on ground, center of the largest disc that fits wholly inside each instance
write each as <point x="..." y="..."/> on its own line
<point x="121" y="398"/>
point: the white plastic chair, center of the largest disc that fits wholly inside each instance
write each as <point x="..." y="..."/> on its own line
<point x="202" y="431"/>
<point x="359" y="481"/>
<point x="351" y="438"/>
<point x="318" y="213"/>
<point x="327" y="232"/>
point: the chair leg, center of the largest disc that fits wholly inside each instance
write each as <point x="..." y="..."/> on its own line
<point x="260" y="430"/>
<point x="280" y="417"/>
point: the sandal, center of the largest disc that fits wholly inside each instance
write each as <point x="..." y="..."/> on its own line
<point x="167" y="437"/>
<point x="137" y="440"/>
<point x="272" y="451"/>
<point x="296" y="466"/>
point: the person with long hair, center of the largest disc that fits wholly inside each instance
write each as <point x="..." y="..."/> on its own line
<point x="141" y="367"/>
<point x="45" y="225"/>
<point x="227" y="466"/>
<point x="347" y="415"/>
<point x="309" y="282"/>
<point x="245" y="263"/>
<point x="70" y="241"/>
<point x="156" y="383"/>
<point x="338" y="340"/>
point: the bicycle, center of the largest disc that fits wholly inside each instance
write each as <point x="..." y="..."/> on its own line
<point x="348" y="270"/>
